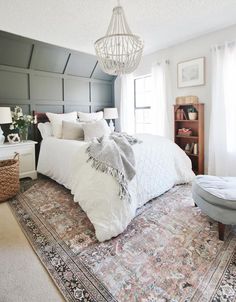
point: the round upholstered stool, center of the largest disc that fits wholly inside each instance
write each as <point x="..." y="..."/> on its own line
<point x="216" y="197"/>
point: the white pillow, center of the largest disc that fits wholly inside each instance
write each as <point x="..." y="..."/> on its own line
<point x="45" y="129"/>
<point x="56" y="120"/>
<point x="95" y="129"/>
<point x="89" y="117"/>
<point x="72" y="130"/>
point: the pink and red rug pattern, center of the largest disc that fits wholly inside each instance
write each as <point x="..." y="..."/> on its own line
<point x="169" y="252"/>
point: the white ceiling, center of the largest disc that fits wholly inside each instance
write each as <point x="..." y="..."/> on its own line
<point x="77" y="24"/>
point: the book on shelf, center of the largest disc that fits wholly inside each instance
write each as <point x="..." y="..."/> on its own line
<point x="184" y="115"/>
<point x="181" y="115"/>
<point x="191" y="148"/>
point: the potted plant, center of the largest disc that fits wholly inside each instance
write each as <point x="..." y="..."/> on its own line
<point x="21" y="122"/>
<point x="192" y="113"/>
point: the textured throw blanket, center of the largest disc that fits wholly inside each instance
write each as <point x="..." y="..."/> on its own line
<point x="114" y="155"/>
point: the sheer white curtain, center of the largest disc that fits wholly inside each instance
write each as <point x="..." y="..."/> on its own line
<point x="222" y="142"/>
<point x="161" y="92"/>
<point x="127" y="115"/>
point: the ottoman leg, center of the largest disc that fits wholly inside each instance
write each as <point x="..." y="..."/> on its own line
<point x="221" y="228"/>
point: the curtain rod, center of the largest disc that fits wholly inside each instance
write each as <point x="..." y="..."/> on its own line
<point x="222" y="45"/>
<point x="166" y="62"/>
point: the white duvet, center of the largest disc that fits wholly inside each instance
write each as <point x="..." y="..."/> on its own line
<point x="160" y="164"/>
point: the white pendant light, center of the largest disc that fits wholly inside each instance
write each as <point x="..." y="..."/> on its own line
<point x="119" y="51"/>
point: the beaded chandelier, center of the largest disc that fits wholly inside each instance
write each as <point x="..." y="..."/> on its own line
<point x="119" y="51"/>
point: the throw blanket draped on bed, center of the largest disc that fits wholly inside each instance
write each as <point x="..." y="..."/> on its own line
<point x="114" y="155"/>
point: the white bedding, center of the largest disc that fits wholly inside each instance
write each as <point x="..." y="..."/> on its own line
<point x="160" y="164"/>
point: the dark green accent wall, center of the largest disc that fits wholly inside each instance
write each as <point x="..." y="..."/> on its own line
<point x="43" y="77"/>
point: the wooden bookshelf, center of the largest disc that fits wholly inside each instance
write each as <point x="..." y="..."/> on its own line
<point x="197" y="136"/>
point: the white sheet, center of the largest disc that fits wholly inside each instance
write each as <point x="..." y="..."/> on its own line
<point x="55" y="158"/>
<point x="160" y="164"/>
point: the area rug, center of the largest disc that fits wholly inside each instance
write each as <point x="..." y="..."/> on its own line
<point x="169" y="252"/>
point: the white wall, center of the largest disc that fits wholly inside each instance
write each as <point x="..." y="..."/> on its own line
<point x="199" y="47"/>
<point x="117" y="97"/>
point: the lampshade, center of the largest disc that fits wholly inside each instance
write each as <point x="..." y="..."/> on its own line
<point x="5" y="115"/>
<point x="110" y="113"/>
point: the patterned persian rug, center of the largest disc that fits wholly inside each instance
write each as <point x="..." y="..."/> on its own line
<point x="169" y="252"/>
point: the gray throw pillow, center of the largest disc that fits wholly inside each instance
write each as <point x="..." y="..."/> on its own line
<point x="72" y="130"/>
<point x="95" y="129"/>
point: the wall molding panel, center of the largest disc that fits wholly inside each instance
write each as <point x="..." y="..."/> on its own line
<point x="43" y="77"/>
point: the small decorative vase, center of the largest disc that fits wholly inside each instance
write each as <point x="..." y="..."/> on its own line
<point x="23" y="134"/>
<point x="195" y="149"/>
<point x="187" y="148"/>
<point x="13" y="138"/>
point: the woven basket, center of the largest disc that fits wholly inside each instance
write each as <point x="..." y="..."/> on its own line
<point x="9" y="178"/>
<point x="184" y="100"/>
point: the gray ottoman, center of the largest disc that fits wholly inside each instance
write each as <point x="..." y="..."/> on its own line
<point x="216" y="197"/>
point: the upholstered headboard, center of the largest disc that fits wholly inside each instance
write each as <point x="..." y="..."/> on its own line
<point x="39" y="117"/>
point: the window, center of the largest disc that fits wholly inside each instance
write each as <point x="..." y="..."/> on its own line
<point x="142" y="97"/>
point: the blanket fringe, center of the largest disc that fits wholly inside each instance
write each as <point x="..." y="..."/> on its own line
<point x="104" y="168"/>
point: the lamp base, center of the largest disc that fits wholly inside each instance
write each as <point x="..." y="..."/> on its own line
<point x="2" y="137"/>
<point x="111" y="125"/>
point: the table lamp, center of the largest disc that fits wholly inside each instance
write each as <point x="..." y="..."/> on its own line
<point x="111" y="114"/>
<point x="5" y="118"/>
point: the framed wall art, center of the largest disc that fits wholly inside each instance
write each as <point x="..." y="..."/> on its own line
<point x="191" y="73"/>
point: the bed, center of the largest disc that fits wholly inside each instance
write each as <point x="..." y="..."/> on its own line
<point x="160" y="164"/>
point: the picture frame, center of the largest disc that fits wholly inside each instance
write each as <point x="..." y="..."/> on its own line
<point x="191" y="73"/>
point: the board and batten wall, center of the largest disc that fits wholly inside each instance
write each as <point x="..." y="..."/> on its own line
<point x="194" y="48"/>
<point x="42" y="77"/>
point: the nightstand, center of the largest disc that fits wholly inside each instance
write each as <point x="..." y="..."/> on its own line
<point x="26" y="151"/>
